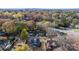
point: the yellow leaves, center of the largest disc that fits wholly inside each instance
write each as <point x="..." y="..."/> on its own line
<point x="18" y="15"/>
<point x="22" y="47"/>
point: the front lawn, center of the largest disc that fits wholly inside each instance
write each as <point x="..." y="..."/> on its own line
<point x="75" y="30"/>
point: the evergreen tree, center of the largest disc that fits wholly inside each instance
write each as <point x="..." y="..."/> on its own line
<point x="24" y="34"/>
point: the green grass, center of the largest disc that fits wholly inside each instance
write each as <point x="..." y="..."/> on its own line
<point x="75" y="30"/>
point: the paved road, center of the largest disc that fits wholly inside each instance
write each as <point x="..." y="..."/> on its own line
<point x="67" y="31"/>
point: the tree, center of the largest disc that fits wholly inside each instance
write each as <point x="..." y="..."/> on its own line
<point x="24" y="34"/>
<point x="22" y="47"/>
<point x="18" y="15"/>
<point x="9" y="26"/>
<point x="75" y="22"/>
<point x="20" y="26"/>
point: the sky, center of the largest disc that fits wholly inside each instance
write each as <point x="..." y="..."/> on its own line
<point x="39" y="3"/>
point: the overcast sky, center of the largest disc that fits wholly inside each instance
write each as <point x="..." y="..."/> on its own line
<point x="39" y="3"/>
